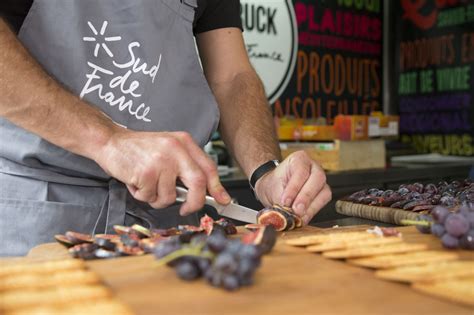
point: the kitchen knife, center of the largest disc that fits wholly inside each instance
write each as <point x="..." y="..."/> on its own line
<point x="232" y="210"/>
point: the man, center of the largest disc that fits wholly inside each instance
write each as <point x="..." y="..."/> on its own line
<point x="104" y="106"/>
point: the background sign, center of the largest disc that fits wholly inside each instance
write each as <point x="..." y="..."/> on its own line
<point x="434" y="75"/>
<point x="271" y="39"/>
<point x="338" y="62"/>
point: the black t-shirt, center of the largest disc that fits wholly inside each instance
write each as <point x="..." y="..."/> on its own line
<point x="210" y="14"/>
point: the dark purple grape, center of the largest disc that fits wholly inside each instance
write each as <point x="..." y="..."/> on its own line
<point x="225" y="262"/>
<point x="230" y="282"/>
<point x="234" y="246"/>
<point x="216" y="242"/>
<point x="439" y="214"/>
<point x="166" y="247"/>
<point x="249" y="251"/>
<point x="467" y="240"/>
<point x="204" y="264"/>
<point x="187" y="270"/>
<point x="424" y="229"/>
<point x="470" y="219"/>
<point x="246" y="268"/>
<point x="456" y="224"/>
<point x="128" y="241"/>
<point x="438" y="229"/>
<point x="449" y="241"/>
<point x="215" y="277"/>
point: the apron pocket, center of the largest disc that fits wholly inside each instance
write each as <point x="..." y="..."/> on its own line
<point x="27" y="223"/>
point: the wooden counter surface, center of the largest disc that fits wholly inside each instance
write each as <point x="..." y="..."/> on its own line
<point x="290" y="281"/>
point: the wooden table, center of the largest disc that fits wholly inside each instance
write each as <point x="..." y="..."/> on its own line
<point x="290" y="281"/>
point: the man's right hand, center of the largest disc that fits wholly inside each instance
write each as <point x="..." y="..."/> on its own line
<point x="150" y="163"/>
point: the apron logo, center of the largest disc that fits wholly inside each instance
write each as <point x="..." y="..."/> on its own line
<point x="111" y="80"/>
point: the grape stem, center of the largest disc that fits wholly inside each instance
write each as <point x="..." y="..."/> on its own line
<point x="413" y="222"/>
<point x="194" y="251"/>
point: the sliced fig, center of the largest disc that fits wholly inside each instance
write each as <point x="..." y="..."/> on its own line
<point x="254" y="226"/>
<point x="228" y="226"/>
<point x="78" y="238"/>
<point x="264" y="238"/>
<point x="390" y="231"/>
<point x="130" y="250"/>
<point x="110" y="237"/>
<point x="272" y="217"/>
<point x="63" y="240"/>
<point x="105" y="243"/>
<point x="207" y="223"/>
<point x="192" y="228"/>
<point x="413" y="204"/>
<point x="147" y="244"/>
<point x="129" y="240"/>
<point x="290" y="221"/>
<point x="423" y="207"/>
<point x="165" y="232"/>
<point x="121" y="230"/>
<point x="141" y="231"/>
<point x="84" y="251"/>
<point x="105" y="254"/>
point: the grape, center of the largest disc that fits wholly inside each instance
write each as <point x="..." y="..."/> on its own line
<point x="217" y="242"/>
<point x="467" y="241"/>
<point x="249" y="251"/>
<point x="438" y="229"/>
<point x="230" y="282"/>
<point x="246" y="268"/>
<point x="166" y="247"/>
<point x="449" y="241"/>
<point x="187" y="270"/>
<point x="225" y="262"/>
<point x="215" y="278"/>
<point x="424" y="229"/>
<point x="234" y="246"/>
<point x="204" y="264"/>
<point x="439" y="214"/>
<point x="470" y="219"/>
<point x="456" y="224"/>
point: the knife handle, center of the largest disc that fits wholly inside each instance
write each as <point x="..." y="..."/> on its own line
<point x="182" y="195"/>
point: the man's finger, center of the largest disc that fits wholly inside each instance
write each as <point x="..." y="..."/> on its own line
<point x="299" y="175"/>
<point x="143" y="186"/>
<point x="209" y="168"/>
<point x="166" y="190"/>
<point x="311" y="188"/>
<point x="195" y="180"/>
<point x="324" y="196"/>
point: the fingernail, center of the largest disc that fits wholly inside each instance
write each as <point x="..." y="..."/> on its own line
<point x="287" y="202"/>
<point x="300" y="208"/>
<point x="225" y="196"/>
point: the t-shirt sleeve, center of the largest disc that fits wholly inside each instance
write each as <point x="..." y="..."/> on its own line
<point x="219" y="14"/>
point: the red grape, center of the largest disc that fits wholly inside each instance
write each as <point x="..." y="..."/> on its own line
<point x="449" y="241"/>
<point x="456" y="224"/>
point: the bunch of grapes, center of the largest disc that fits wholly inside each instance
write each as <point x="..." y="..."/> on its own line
<point x="455" y="229"/>
<point x="223" y="262"/>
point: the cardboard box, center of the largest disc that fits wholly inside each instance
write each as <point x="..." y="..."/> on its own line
<point x="342" y="155"/>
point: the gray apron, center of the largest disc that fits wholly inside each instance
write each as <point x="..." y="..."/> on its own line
<point x="137" y="62"/>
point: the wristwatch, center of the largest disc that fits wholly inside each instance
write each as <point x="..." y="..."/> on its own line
<point x="261" y="171"/>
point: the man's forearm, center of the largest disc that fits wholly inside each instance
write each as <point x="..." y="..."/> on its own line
<point x="246" y="122"/>
<point x="33" y="100"/>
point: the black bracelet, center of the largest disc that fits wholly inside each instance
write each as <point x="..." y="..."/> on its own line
<point x="262" y="170"/>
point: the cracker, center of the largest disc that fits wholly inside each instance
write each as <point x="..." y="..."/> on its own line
<point x="321" y="238"/>
<point x="97" y="308"/>
<point x="398" y="260"/>
<point x="343" y="244"/>
<point x="11" y="300"/>
<point x="375" y="250"/>
<point x="41" y="267"/>
<point x="45" y="280"/>
<point x="455" y="290"/>
<point x="429" y="272"/>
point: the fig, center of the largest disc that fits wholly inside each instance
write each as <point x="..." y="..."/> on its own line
<point x="110" y="237"/>
<point x="129" y="240"/>
<point x="63" y="240"/>
<point x="264" y="238"/>
<point x="423" y="207"/>
<point x="271" y="217"/>
<point x="105" y="243"/>
<point x="84" y="251"/>
<point x="165" y="232"/>
<point x="228" y="226"/>
<point x="121" y="230"/>
<point x="105" y="254"/>
<point x="254" y="226"/>
<point x="410" y="205"/>
<point x="78" y="238"/>
<point x="148" y="245"/>
<point x="290" y="211"/>
<point x="207" y="223"/>
<point x="141" y="231"/>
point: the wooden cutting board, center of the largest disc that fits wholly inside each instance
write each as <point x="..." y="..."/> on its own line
<point x="290" y="281"/>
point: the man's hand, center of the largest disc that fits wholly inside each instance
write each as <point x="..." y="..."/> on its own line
<point x="150" y="163"/>
<point x="298" y="182"/>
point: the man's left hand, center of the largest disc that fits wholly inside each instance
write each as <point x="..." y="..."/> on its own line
<point x="298" y="182"/>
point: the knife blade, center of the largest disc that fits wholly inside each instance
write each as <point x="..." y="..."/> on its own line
<point x="232" y="210"/>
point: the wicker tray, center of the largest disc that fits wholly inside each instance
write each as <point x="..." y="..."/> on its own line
<point x="383" y="214"/>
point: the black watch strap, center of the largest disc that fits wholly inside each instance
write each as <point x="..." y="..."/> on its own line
<point x="262" y="170"/>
